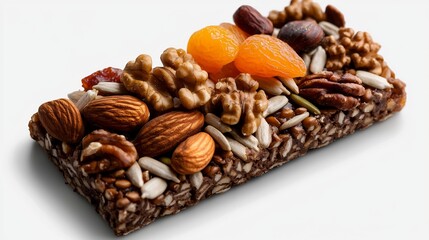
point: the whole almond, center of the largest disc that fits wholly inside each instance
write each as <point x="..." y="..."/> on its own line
<point x="118" y="113"/>
<point x="193" y="154"/>
<point x="251" y="21"/>
<point x="163" y="133"/>
<point x="62" y="120"/>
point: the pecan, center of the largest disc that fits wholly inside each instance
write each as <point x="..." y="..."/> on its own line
<point x="104" y="151"/>
<point x="180" y="77"/>
<point x="332" y="89"/>
<point x="240" y="100"/>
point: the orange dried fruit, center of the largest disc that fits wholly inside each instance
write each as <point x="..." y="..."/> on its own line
<point x="238" y="33"/>
<point x="229" y="70"/>
<point x="267" y="56"/>
<point x="213" y="47"/>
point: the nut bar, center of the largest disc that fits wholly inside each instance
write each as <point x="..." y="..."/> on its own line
<point x="144" y="142"/>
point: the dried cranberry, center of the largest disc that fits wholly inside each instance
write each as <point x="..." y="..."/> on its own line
<point x="109" y="74"/>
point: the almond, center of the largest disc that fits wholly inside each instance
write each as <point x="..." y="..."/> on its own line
<point x="163" y="133"/>
<point x="120" y="114"/>
<point x="62" y="120"/>
<point x="193" y="154"/>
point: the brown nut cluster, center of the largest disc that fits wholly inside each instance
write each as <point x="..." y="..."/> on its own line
<point x="297" y="10"/>
<point x="104" y="151"/>
<point x="180" y="77"/>
<point x="357" y="51"/>
<point x="341" y="91"/>
<point x="240" y="102"/>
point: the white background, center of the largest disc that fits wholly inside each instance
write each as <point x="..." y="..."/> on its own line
<point x="372" y="185"/>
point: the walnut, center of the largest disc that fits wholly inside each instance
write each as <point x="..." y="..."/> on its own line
<point x="180" y="77"/>
<point x="104" y="151"/>
<point x="341" y="91"/>
<point x="357" y="51"/>
<point x="297" y="10"/>
<point x="195" y="92"/>
<point x="240" y="102"/>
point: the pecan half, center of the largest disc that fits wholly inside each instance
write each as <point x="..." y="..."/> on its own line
<point x="105" y="151"/>
<point x="341" y="91"/>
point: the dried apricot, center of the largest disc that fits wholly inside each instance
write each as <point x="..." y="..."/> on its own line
<point x="238" y="33"/>
<point x="213" y="47"/>
<point x="229" y="70"/>
<point x="267" y="56"/>
<point x="109" y="74"/>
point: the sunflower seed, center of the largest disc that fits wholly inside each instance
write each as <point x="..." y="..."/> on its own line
<point x="66" y="148"/>
<point x="111" y="88"/>
<point x="215" y="121"/>
<point x="330" y="29"/>
<point x="290" y="84"/>
<point x="86" y="98"/>
<point x="307" y="60"/>
<point x="368" y="108"/>
<point x="218" y="137"/>
<point x="263" y="134"/>
<point x="224" y="180"/>
<point x="271" y="86"/>
<point x="341" y="117"/>
<point x="247" y="167"/>
<point x="75" y="96"/>
<point x="275" y="104"/>
<point x="196" y="179"/>
<point x="153" y="188"/>
<point x="238" y="149"/>
<point x="318" y="61"/>
<point x="373" y="80"/>
<point x="285" y="149"/>
<point x="134" y="173"/>
<point x="294" y="121"/>
<point x="248" y="141"/>
<point x="158" y="168"/>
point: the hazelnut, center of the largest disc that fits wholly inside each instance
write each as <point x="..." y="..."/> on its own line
<point x="302" y="36"/>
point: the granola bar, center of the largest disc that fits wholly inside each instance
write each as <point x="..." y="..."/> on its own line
<point x="144" y="142"/>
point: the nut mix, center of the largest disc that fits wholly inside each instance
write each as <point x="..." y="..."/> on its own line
<point x="145" y="142"/>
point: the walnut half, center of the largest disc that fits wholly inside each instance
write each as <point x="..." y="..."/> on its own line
<point x="180" y="77"/>
<point x="240" y="102"/>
